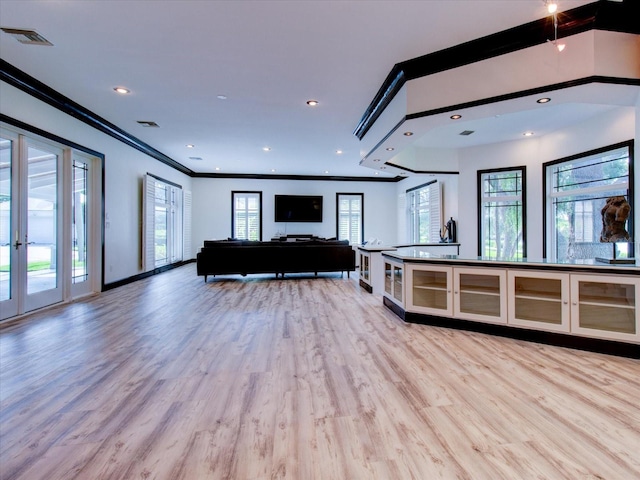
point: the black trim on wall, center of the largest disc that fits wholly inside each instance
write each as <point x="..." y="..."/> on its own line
<point x="233" y="210"/>
<point x="525" y="93"/>
<point x="30" y="85"/>
<point x="420" y="186"/>
<point x="55" y="138"/>
<point x="629" y="144"/>
<point x="496" y="99"/>
<point x="259" y="176"/>
<point x="479" y="174"/>
<point x="163" y="180"/>
<point x="601" y="15"/>
<point x="430" y="172"/>
<point x="140" y="276"/>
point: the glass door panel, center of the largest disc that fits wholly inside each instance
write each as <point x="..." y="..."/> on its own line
<point x="47" y="204"/>
<point x="8" y="254"/>
<point x="79" y="230"/>
<point x="40" y="232"/>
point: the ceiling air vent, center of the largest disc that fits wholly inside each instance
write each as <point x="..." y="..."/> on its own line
<point x="466" y="132"/>
<point x="148" y="124"/>
<point x="28" y="37"/>
<point x="195" y="158"/>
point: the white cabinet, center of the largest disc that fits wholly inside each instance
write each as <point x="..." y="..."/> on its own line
<point x="605" y="306"/>
<point x="429" y="289"/>
<point x="393" y="282"/>
<point x="585" y="304"/>
<point x="539" y="300"/>
<point x="480" y="294"/>
<point x="365" y="272"/>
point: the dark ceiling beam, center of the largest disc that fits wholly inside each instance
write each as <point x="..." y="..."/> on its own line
<point x="34" y="87"/>
<point x="601" y="15"/>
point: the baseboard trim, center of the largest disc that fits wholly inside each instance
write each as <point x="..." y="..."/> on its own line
<point x="140" y="276"/>
<point x="596" y="345"/>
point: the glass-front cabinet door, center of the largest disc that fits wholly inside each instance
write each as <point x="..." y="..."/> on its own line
<point x="429" y="289"/>
<point x="393" y="282"/>
<point x="539" y="300"/>
<point x="605" y="306"/>
<point x="480" y="294"/>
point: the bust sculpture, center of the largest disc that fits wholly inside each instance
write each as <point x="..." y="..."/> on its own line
<point x="614" y="217"/>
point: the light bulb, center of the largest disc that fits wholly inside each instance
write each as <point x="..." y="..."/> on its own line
<point x="560" y="46"/>
<point x="552" y="7"/>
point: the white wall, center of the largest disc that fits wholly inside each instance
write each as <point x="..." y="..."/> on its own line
<point x="617" y="126"/>
<point x="124" y="169"/>
<point x="212" y="207"/>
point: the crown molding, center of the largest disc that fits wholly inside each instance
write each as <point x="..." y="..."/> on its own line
<point x="601" y="15"/>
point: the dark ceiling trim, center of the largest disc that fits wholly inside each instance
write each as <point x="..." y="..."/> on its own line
<point x="49" y="136"/>
<point x="525" y="93"/>
<point x="326" y="178"/>
<point x="391" y="86"/>
<point x="430" y="172"/>
<point x="500" y="98"/>
<point x="35" y="88"/>
<point x="601" y="15"/>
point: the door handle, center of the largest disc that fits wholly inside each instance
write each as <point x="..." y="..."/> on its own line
<point x="17" y="244"/>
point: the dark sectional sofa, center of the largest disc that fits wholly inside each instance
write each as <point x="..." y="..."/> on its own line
<point x="242" y="257"/>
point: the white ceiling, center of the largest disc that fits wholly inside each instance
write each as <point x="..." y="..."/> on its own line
<point x="267" y="57"/>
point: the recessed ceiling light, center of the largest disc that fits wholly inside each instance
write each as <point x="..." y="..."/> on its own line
<point x="543" y="100"/>
<point x="312" y="103"/>
<point x="273" y="169"/>
<point x="552" y="7"/>
<point x="338" y="152"/>
<point x="189" y="145"/>
<point x="222" y="97"/>
<point x="376" y="173"/>
<point x="217" y="168"/>
<point x="390" y="149"/>
<point x="326" y="171"/>
<point x="455" y="117"/>
<point x="266" y="149"/>
<point x="528" y="134"/>
<point x="122" y="90"/>
<point x="407" y="134"/>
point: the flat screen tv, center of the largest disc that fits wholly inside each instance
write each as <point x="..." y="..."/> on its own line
<point x="298" y="208"/>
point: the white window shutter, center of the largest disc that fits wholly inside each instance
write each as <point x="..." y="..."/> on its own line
<point x="435" y="212"/>
<point x="186" y="226"/>
<point x="148" y="224"/>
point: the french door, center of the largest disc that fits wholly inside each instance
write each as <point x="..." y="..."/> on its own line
<point x="44" y="240"/>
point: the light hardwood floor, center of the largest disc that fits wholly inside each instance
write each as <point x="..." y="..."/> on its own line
<point x="305" y="378"/>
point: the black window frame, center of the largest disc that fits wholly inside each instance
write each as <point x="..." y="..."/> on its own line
<point x="233" y="210"/>
<point x="479" y="192"/>
<point x="361" y="195"/>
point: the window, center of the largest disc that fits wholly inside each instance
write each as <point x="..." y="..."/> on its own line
<point x="79" y="216"/>
<point x="246" y="215"/>
<point x="350" y="217"/>
<point x="501" y="213"/>
<point x="424" y="215"/>
<point x="577" y="189"/>
<point x="163" y="222"/>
